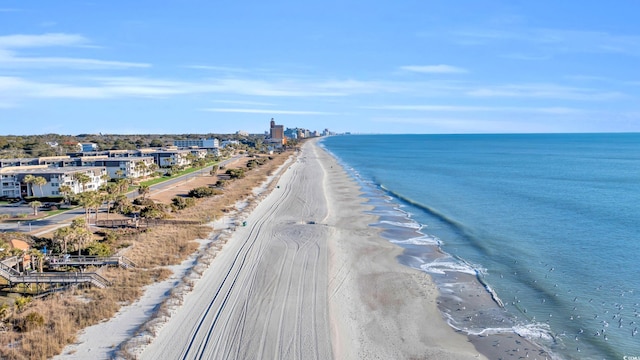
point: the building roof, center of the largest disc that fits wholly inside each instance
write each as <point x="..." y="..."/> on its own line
<point x="43" y="169"/>
<point x="19" y="244"/>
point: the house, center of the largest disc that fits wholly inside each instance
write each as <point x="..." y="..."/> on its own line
<point x="57" y="161"/>
<point x="18" y="162"/>
<point x="25" y="259"/>
<point x="122" y="167"/>
<point x="201" y="143"/>
<point x="86" y="147"/>
<point x="12" y="182"/>
<point x="168" y="157"/>
<point x="226" y="143"/>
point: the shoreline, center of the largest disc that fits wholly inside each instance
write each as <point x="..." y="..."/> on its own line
<point x="461" y="292"/>
<point x="382" y="308"/>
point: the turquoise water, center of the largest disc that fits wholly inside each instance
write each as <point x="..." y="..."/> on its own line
<point x="549" y="222"/>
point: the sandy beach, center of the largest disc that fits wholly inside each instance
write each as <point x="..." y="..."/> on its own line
<point x="306" y="278"/>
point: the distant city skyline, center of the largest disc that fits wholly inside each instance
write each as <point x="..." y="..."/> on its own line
<point x="495" y="66"/>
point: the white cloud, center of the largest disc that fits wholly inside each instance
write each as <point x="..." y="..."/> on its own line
<point x="556" y="40"/>
<point x="216" y="68"/>
<point x="434" y="69"/>
<point x="52" y="39"/>
<point x="267" y="111"/>
<point x="456" y="108"/>
<point x="241" y="102"/>
<point x="112" y="87"/>
<point x="551" y="91"/>
<point x="9" y="59"/>
<point x="465" y="125"/>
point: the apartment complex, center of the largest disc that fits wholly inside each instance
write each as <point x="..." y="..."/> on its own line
<point x="13" y="184"/>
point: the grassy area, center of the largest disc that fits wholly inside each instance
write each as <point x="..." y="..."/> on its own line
<point x="178" y="174"/>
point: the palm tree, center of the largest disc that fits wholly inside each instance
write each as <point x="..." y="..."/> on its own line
<point x="35" y="205"/>
<point x="112" y="191"/>
<point x="105" y="178"/>
<point x="153" y="167"/>
<point x="141" y="167"/>
<point x="123" y="185"/>
<point x="63" y="236"/>
<point x="28" y="179"/>
<point x="37" y="259"/>
<point x="66" y="191"/>
<point x="40" y="181"/>
<point x="143" y="190"/>
<point x="81" y="233"/>
<point x="190" y="159"/>
<point x="83" y="179"/>
<point x="120" y="173"/>
<point x="87" y="200"/>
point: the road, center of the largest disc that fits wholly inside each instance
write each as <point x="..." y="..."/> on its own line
<point x="37" y="227"/>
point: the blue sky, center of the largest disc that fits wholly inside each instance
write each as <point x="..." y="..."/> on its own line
<point x="195" y="66"/>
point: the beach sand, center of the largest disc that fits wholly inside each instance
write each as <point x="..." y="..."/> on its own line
<point x="306" y="278"/>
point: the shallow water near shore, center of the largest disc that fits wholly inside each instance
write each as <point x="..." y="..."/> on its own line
<point x="544" y="225"/>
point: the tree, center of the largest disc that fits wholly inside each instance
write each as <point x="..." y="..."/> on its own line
<point x="28" y="179"/>
<point x="123" y="185"/>
<point x="112" y="191"/>
<point x="141" y="167"/>
<point x="66" y="191"/>
<point x="83" y="179"/>
<point x="81" y="234"/>
<point x="40" y="181"/>
<point x="153" y="211"/>
<point x="88" y="200"/>
<point x="153" y="167"/>
<point x="191" y="158"/>
<point x="143" y="190"/>
<point x="62" y="236"/>
<point x="156" y="143"/>
<point x="122" y="205"/>
<point x="35" y="205"/>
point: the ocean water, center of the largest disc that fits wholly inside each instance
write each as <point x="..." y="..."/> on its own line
<point x="547" y="225"/>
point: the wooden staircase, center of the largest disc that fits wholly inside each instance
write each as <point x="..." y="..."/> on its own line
<point x="63" y="278"/>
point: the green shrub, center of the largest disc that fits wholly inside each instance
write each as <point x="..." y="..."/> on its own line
<point x="21" y="302"/>
<point x="179" y="203"/>
<point x="153" y="211"/>
<point x="99" y="249"/>
<point x="143" y="201"/>
<point x="32" y="321"/>
<point x="203" y="191"/>
<point x="235" y="173"/>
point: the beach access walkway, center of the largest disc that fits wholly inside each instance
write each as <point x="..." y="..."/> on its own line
<point x="61" y="279"/>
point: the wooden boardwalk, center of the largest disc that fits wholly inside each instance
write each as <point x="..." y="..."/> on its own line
<point x="15" y="277"/>
<point x="143" y="222"/>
